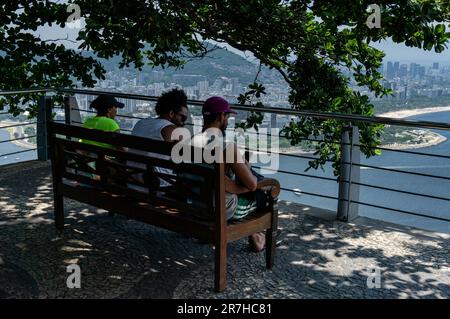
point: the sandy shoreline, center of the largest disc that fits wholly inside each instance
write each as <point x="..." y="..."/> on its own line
<point x="435" y="140"/>
<point x="407" y="113"/>
<point x="401" y="114"/>
<point x="20" y="143"/>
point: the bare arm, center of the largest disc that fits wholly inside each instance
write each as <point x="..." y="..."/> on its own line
<point x="167" y="133"/>
<point x="241" y="169"/>
<point x="234" y="188"/>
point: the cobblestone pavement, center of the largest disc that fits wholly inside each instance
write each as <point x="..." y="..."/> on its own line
<point x="120" y="258"/>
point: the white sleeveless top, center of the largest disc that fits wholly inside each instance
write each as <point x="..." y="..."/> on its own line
<point x="151" y="128"/>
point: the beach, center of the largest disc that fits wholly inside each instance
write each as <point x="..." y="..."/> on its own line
<point x="408" y="113"/>
<point x="432" y="138"/>
<point x="20" y="143"/>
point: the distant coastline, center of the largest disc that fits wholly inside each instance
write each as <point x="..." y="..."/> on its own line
<point x="431" y="138"/>
<point x="413" y="112"/>
<point x="20" y="143"/>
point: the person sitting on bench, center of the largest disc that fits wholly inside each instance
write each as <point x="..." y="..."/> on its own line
<point x="106" y="107"/>
<point x="172" y="112"/>
<point x="216" y="112"/>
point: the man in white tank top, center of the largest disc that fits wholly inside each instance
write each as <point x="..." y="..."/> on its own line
<point x="172" y="112"/>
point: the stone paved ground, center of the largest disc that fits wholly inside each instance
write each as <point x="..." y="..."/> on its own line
<point x="119" y="258"/>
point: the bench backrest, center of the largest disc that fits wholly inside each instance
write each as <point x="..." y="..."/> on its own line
<point x="125" y="169"/>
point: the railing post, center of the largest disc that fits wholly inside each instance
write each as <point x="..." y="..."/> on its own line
<point x="44" y="116"/>
<point x="71" y="111"/>
<point x="350" y="174"/>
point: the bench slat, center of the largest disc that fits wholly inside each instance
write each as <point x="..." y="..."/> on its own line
<point x="71" y="146"/>
<point x="150" y="198"/>
<point x="112" y="138"/>
<point x="254" y="223"/>
<point x="153" y="215"/>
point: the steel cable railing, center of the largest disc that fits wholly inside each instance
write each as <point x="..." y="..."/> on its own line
<point x="343" y="117"/>
<point x="297" y="191"/>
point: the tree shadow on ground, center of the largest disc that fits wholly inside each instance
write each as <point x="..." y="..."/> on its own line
<point x="120" y="258"/>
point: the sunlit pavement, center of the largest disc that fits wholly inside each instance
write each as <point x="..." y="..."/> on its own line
<point x="119" y="258"/>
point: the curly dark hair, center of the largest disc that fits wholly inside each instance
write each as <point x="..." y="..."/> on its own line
<point x="172" y="100"/>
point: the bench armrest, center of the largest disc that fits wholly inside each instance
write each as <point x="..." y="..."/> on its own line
<point x="271" y="185"/>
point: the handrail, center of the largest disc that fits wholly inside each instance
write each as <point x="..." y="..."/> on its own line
<point x="240" y="107"/>
<point x="285" y="111"/>
<point x="27" y="91"/>
<point x="115" y="94"/>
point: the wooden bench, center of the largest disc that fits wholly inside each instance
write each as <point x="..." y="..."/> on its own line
<point x="104" y="177"/>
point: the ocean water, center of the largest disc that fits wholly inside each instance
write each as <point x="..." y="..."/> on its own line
<point x="6" y="148"/>
<point x="411" y="183"/>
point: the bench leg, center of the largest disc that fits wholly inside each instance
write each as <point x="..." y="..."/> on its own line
<point x="271" y="235"/>
<point x="271" y="239"/>
<point x="59" y="212"/>
<point x="220" y="278"/>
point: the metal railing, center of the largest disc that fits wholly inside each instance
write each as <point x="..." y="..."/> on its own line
<point x="14" y="126"/>
<point x="348" y="186"/>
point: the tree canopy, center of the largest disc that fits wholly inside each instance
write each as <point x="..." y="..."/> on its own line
<point x="308" y="42"/>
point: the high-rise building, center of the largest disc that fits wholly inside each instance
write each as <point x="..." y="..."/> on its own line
<point x="396" y="68"/>
<point x="421" y="71"/>
<point x="217" y="85"/>
<point x="436" y="65"/>
<point x="403" y="72"/>
<point x="130" y="105"/>
<point x="390" y="70"/>
<point x="203" y="86"/>
<point x="236" y="88"/>
<point x="413" y="69"/>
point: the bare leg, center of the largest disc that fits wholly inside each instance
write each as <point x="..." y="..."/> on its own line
<point x="257" y="241"/>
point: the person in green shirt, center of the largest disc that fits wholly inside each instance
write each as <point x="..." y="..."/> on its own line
<point x="106" y="107"/>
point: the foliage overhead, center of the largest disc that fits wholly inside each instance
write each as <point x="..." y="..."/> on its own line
<point x="308" y="42"/>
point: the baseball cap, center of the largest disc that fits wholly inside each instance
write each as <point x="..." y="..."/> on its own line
<point x="106" y="101"/>
<point x="216" y="104"/>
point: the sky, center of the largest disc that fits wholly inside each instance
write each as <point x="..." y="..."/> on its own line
<point x="394" y="51"/>
<point x="400" y="52"/>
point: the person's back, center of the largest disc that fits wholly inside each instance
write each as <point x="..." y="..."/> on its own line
<point x="201" y="141"/>
<point x="152" y="128"/>
<point x="101" y="123"/>
<point x="106" y="107"/>
<point x="172" y="112"/>
<point x="240" y="199"/>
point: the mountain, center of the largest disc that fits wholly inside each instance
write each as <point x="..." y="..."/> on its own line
<point x="218" y="63"/>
